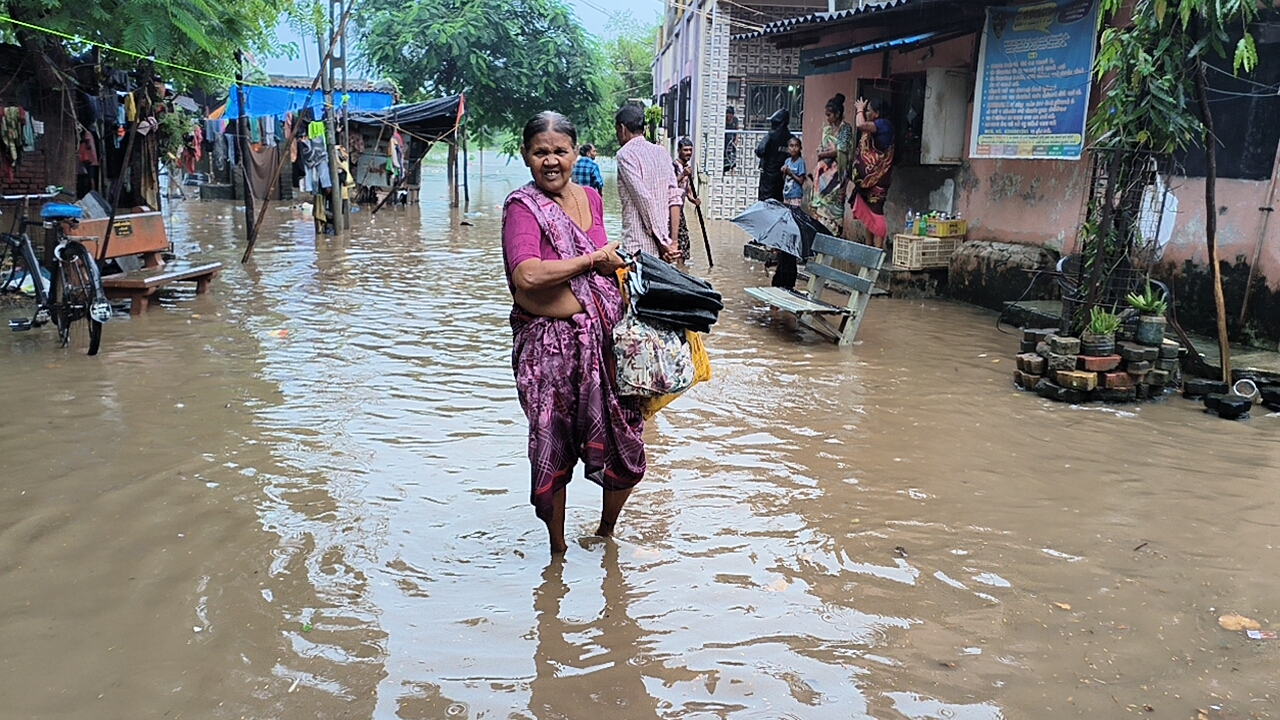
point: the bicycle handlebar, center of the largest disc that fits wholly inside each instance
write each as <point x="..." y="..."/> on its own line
<point x="41" y="196"/>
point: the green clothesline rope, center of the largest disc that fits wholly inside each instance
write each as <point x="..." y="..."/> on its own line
<point x="122" y="51"/>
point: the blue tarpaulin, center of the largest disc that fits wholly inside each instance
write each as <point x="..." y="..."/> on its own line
<point x="276" y="101"/>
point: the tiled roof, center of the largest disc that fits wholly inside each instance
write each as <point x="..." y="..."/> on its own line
<point x="304" y="83"/>
<point x="821" y="18"/>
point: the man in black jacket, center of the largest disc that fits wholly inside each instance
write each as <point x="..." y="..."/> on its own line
<point x="772" y="152"/>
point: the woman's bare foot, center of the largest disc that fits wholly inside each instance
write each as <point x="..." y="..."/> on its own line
<point x="613" y="502"/>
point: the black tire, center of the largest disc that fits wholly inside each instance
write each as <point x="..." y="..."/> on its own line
<point x="79" y="287"/>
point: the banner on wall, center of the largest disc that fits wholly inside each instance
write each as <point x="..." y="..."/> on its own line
<point x="1034" y="75"/>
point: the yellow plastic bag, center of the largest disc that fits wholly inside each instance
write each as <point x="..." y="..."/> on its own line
<point x="701" y="373"/>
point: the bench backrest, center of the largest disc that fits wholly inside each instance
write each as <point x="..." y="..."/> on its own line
<point x="866" y="261"/>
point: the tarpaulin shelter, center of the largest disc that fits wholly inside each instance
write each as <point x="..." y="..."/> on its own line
<point x="275" y="101"/>
<point x="429" y="120"/>
<point x="398" y="136"/>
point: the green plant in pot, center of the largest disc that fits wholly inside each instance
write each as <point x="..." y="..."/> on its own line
<point x="1099" y="336"/>
<point x="1151" y="306"/>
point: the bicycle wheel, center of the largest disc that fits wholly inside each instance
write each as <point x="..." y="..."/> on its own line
<point x="81" y="300"/>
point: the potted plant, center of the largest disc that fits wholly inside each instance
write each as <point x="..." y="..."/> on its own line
<point x="1099" y="336"/>
<point x="1151" y="307"/>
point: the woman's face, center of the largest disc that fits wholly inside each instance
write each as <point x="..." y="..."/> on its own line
<point x="686" y="153"/>
<point x="550" y="157"/>
<point x="832" y="117"/>
<point x="871" y="114"/>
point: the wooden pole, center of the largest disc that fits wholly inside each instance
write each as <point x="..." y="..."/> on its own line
<point x="290" y="136"/>
<point x="1211" y="217"/>
<point x="466" y="185"/>
<point x="452" y="171"/>
<point x="242" y="146"/>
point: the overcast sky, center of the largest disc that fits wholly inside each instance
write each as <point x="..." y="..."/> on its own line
<point x="594" y="14"/>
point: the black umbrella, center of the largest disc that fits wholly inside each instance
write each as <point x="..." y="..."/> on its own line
<point x="775" y="225"/>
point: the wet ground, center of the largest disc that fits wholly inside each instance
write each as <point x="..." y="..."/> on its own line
<point x="304" y="495"/>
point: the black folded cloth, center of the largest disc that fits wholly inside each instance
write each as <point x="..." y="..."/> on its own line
<point x="664" y="294"/>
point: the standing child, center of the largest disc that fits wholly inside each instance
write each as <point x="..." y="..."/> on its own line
<point x="794" y="171"/>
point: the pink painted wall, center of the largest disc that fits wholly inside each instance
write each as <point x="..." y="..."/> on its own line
<point x="1041" y="202"/>
<point x="1239" y="225"/>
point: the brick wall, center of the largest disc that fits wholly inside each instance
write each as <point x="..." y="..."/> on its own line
<point x="30" y="175"/>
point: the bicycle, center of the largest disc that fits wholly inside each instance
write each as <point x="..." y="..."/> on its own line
<point x="75" y="295"/>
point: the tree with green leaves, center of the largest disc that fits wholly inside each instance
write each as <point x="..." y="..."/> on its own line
<point x="512" y="58"/>
<point x="193" y="42"/>
<point x="201" y="35"/>
<point x="1155" y="94"/>
<point x="627" y="73"/>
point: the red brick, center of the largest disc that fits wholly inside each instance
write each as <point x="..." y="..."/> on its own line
<point x="1115" y="380"/>
<point x="1105" y="363"/>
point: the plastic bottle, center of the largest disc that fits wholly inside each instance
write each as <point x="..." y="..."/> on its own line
<point x="909" y="227"/>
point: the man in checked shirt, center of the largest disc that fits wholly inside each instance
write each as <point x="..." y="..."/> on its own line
<point x="651" y="197"/>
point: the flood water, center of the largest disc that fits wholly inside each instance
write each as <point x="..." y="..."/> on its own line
<point x="305" y="495"/>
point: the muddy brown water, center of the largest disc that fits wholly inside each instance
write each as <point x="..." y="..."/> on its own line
<point x="305" y="495"/>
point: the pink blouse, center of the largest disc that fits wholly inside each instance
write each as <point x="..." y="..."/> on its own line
<point x="522" y="239"/>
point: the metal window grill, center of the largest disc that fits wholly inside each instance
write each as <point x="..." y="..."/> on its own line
<point x="1119" y="238"/>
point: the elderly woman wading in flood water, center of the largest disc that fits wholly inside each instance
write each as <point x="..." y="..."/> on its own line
<point x="561" y="272"/>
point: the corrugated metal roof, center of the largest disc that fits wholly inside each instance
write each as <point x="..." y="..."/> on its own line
<point x="821" y="18"/>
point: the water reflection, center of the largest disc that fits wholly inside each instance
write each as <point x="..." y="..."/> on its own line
<point x="591" y="652"/>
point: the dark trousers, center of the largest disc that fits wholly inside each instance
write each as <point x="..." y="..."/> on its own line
<point x="784" y="276"/>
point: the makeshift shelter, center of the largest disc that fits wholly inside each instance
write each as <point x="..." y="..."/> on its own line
<point x="388" y="145"/>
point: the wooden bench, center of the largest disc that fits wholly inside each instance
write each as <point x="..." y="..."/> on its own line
<point x="810" y="307"/>
<point x="142" y="286"/>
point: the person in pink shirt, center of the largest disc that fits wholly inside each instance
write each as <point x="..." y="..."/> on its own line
<point x="651" y="197"/>
<point x="561" y="270"/>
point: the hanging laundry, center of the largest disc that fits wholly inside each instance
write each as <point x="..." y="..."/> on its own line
<point x="315" y="160"/>
<point x="255" y="131"/>
<point x="269" y="131"/>
<point x="11" y="125"/>
<point x="88" y="151"/>
<point x="130" y="108"/>
<point x="316" y="129"/>
<point x="28" y="133"/>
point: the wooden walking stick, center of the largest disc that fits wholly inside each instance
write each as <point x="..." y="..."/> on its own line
<point x="693" y="188"/>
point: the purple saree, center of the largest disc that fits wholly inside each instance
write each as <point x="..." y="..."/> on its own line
<point x="564" y="376"/>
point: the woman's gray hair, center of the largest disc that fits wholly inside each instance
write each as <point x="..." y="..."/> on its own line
<point x="549" y="121"/>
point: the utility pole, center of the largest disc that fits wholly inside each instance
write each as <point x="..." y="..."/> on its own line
<point x="331" y="126"/>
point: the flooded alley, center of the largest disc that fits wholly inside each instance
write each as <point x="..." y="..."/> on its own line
<point x="305" y="495"/>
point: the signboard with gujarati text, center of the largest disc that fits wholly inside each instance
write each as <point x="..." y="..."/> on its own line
<point x="1034" y="76"/>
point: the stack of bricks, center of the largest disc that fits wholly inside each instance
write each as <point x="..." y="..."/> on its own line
<point x="1052" y="366"/>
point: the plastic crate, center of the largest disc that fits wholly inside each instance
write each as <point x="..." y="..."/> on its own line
<point x="945" y="228"/>
<point x="911" y="252"/>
